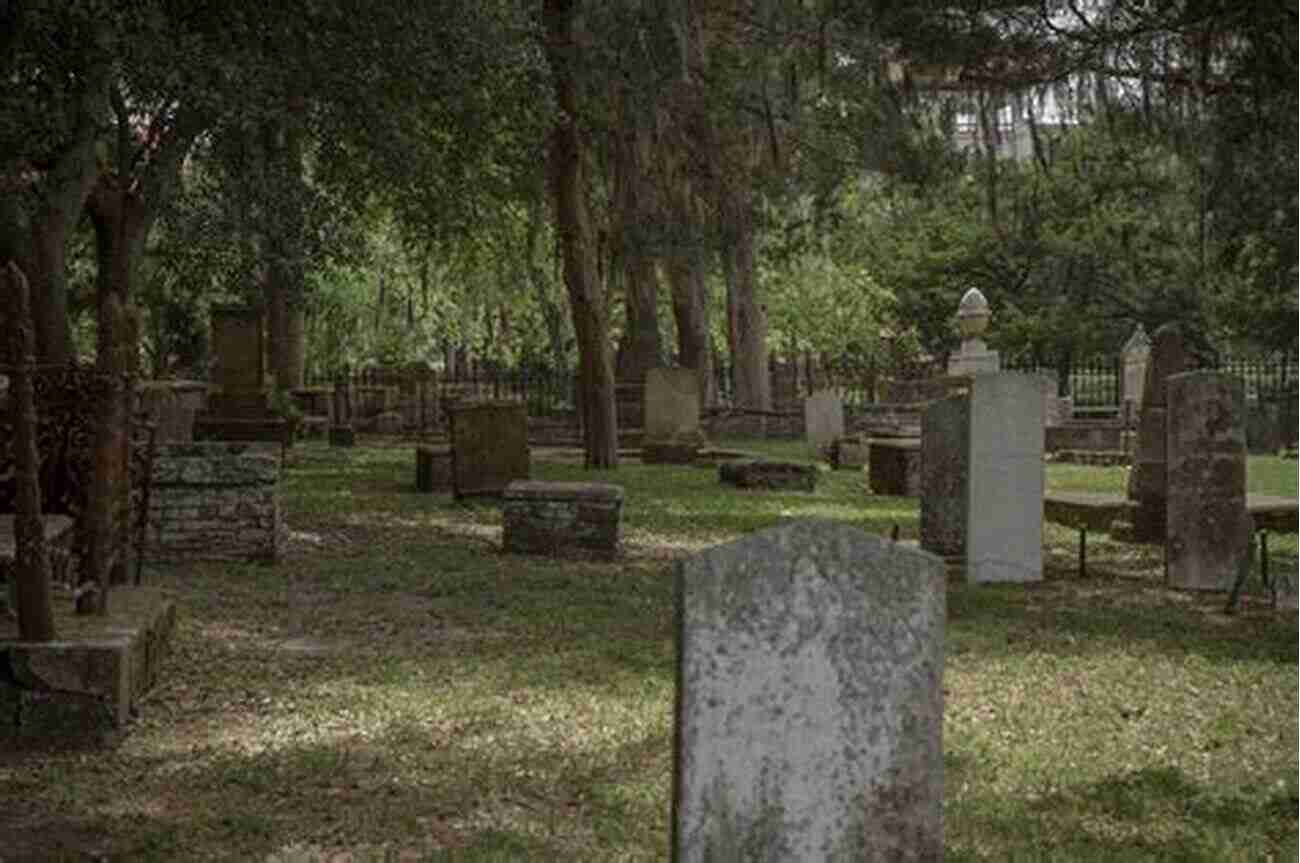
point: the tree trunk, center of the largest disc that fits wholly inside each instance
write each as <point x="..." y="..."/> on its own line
<point x="283" y="227"/>
<point x="634" y="215"/>
<point x="577" y="247"/>
<point x="690" y="312"/>
<point x="32" y="566"/>
<point x="746" y="317"/>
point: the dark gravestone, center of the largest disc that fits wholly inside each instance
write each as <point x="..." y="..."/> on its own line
<point x="432" y="468"/>
<point x="895" y="467"/>
<point x="489" y="443"/>
<point x="809" y="700"/>
<point x="945" y="475"/>
<point x="1147" y="482"/>
<point x="770" y="475"/>
<point x="1208" y="528"/>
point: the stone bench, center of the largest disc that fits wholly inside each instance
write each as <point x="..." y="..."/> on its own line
<point x="432" y="468"/>
<point x="562" y="518"/>
<point x="774" y="475"/>
<point x="894" y="467"/>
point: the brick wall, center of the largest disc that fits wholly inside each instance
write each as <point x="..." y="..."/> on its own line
<point x="215" y="501"/>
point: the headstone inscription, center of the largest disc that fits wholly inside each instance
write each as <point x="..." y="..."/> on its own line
<point x="1208" y="529"/>
<point x="809" y="699"/>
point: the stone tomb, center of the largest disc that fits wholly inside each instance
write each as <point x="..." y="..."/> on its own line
<point x="489" y="443"/>
<point x="771" y="475"/>
<point x="823" y="417"/>
<point x="809" y="699"/>
<point x="982" y="479"/>
<point x="562" y="518"/>
<point x="849" y="453"/>
<point x="672" y="417"/>
<point x="1208" y="529"/>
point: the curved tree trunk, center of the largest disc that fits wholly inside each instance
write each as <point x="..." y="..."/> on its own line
<point x="577" y="247"/>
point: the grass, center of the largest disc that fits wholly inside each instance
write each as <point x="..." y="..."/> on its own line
<point x="399" y="687"/>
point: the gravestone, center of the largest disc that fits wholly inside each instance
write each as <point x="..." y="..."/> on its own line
<point x="1147" y="480"/>
<point x="238" y="410"/>
<point x="945" y="473"/>
<point x="809" y="699"/>
<point x="823" y="415"/>
<point x="671" y="417"/>
<point x="1004" y="533"/>
<point x="895" y="467"/>
<point x="1208" y="530"/>
<point x="489" y="447"/>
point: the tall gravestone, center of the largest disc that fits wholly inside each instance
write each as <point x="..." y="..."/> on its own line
<point x="237" y="347"/>
<point x="945" y="474"/>
<point x="1208" y="528"/>
<point x="982" y="478"/>
<point x="809" y="699"/>
<point x="1004" y="532"/>
<point x="823" y="414"/>
<point x="671" y="416"/>
<point x="1147" y="480"/>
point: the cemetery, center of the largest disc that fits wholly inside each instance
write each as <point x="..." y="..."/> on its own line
<point x="576" y="431"/>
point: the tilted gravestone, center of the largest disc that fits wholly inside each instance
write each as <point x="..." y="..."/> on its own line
<point x="1147" y="481"/>
<point x="823" y="415"/>
<point x="809" y="699"/>
<point x="1208" y="529"/>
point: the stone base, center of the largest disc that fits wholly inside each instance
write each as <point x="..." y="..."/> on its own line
<point x="314" y="426"/>
<point x="774" y="475"/>
<point x="659" y="452"/>
<point x="344" y="436"/>
<point x="895" y="467"/>
<point x="561" y="518"/>
<point x="95" y="674"/>
<point x="432" y="468"/>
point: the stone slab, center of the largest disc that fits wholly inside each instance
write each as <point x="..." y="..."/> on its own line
<point x="489" y="443"/>
<point x="823" y="414"/>
<point x="1004" y="534"/>
<point x="1208" y="527"/>
<point x="945" y="475"/>
<point x="809" y="699"/>
<point x="672" y="403"/>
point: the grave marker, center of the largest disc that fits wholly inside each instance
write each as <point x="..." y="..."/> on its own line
<point x="809" y="699"/>
<point x="823" y="415"/>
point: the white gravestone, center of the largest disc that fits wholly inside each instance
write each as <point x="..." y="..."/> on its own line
<point x="809" y="700"/>
<point x="823" y="414"/>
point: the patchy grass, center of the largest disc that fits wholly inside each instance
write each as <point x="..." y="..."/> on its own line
<point x="399" y="687"/>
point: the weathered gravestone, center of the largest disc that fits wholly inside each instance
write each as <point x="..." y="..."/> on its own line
<point x="671" y="417"/>
<point x="945" y="475"/>
<point x="1134" y="356"/>
<point x="1208" y="529"/>
<point x="489" y="447"/>
<point x="982" y="478"/>
<point x="823" y="417"/>
<point x="809" y="700"/>
<point x="1147" y="482"/>
<point x="238" y="410"/>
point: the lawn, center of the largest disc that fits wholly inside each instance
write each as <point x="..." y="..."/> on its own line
<point x="398" y="689"/>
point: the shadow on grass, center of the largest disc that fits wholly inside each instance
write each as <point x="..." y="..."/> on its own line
<point x="1155" y="813"/>
<point x="1071" y="617"/>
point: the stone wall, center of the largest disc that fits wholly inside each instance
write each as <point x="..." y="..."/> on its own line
<point x="215" y="501"/>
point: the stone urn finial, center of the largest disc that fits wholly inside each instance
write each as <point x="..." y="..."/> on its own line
<point x="973" y="314"/>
